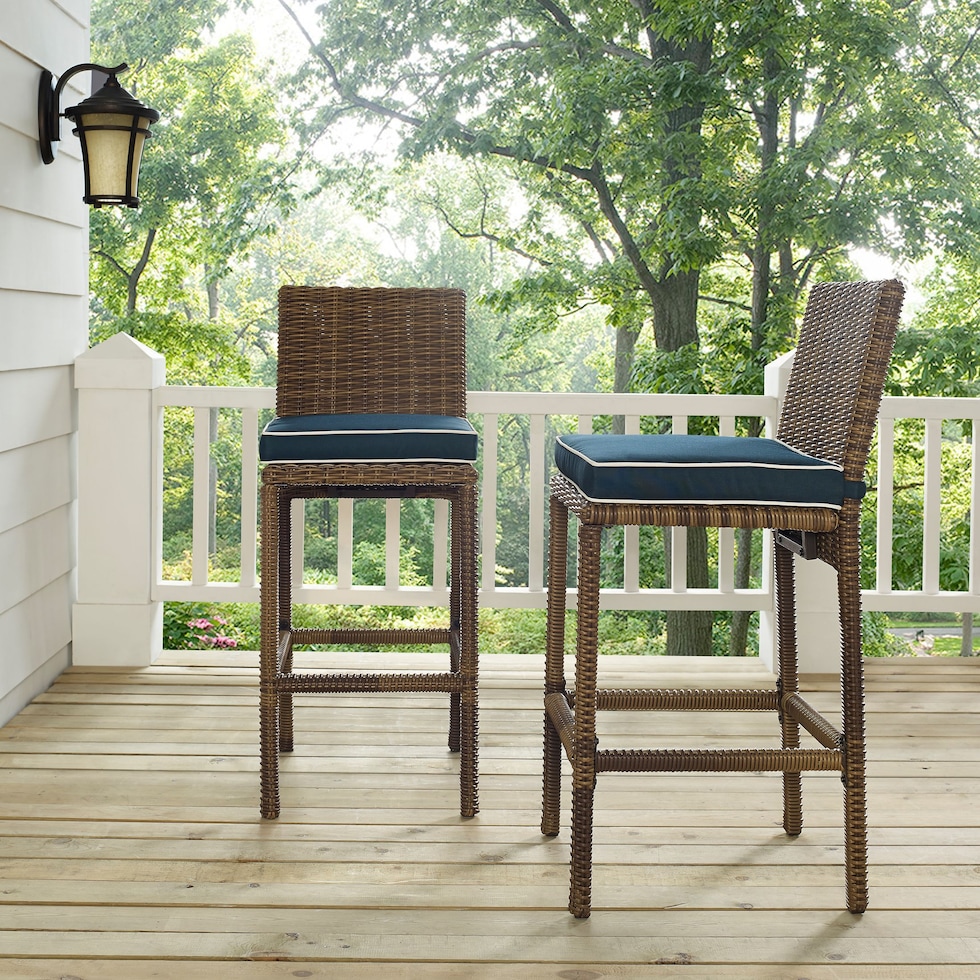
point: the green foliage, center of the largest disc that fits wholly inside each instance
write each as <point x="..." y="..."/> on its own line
<point x="152" y="29"/>
<point x="214" y="180"/>
<point x="690" y="167"/>
<point x="589" y="174"/>
<point x="876" y="641"/>
<point x="512" y="631"/>
<point x="198" y="351"/>
<point x="936" y="353"/>
<point x="650" y="141"/>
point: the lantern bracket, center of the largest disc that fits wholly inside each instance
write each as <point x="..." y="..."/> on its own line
<point x="49" y="102"/>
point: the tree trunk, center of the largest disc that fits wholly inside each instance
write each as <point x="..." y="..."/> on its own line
<point x="675" y="325"/>
<point x="673" y="296"/>
<point x="966" y="646"/>
<point x="689" y="631"/>
<point x="626" y="337"/>
<point x="133" y="280"/>
<point x="767" y="121"/>
<point x="212" y="290"/>
<point x="675" y="310"/>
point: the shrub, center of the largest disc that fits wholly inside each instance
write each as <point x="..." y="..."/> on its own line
<point x="876" y="641"/>
<point x="196" y="626"/>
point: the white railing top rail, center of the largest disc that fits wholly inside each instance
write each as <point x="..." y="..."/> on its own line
<point x="587" y="403"/>
<point x="513" y="402"/>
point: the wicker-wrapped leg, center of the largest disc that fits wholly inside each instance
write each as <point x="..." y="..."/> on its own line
<point x="268" y="697"/>
<point x="789" y="684"/>
<point x="554" y="678"/>
<point x="285" y="616"/>
<point x="469" y="659"/>
<point x="584" y="740"/>
<point x="455" y="621"/>
<point x="852" y="695"/>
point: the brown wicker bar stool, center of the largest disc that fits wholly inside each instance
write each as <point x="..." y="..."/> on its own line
<point x="370" y="403"/>
<point x="806" y="486"/>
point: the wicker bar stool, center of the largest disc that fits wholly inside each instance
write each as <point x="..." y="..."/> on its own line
<point x="370" y="403"/>
<point x="806" y="486"/>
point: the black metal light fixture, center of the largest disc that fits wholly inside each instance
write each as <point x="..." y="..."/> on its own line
<point x="112" y="126"/>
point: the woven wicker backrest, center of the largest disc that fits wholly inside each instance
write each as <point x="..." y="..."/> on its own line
<point x="350" y="350"/>
<point x="834" y="391"/>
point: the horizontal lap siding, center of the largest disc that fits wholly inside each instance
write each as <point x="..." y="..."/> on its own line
<point x="44" y="316"/>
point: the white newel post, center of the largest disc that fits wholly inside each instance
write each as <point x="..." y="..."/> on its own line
<point x="114" y="621"/>
<point x="818" y="620"/>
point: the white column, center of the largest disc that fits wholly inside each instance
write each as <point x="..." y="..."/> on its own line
<point x="114" y="620"/>
<point x="817" y="617"/>
<point x="817" y="611"/>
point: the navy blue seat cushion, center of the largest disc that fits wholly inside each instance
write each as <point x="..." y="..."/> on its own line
<point x="368" y="438"/>
<point x="689" y="469"/>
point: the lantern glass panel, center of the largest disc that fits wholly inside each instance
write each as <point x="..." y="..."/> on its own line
<point x="107" y="138"/>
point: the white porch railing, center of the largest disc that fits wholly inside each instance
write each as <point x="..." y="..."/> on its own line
<point x="486" y="410"/>
<point x="115" y="370"/>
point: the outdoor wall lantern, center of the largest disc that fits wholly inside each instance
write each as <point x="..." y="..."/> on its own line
<point x="112" y="127"/>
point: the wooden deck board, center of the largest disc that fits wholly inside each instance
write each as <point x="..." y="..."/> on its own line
<point x="131" y="846"/>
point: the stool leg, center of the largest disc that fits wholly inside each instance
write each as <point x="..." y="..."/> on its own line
<point x="789" y="684"/>
<point x="285" y="585"/>
<point x="584" y="743"/>
<point x="852" y="698"/>
<point x="455" y="619"/>
<point x="554" y="677"/>
<point x="268" y="697"/>
<point x="468" y="654"/>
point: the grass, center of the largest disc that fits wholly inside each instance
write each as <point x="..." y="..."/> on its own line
<point x="922" y="621"/>
<point x="949" y="646"/>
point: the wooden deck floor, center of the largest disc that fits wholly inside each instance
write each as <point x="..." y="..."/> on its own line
<point x="131" y="846"/>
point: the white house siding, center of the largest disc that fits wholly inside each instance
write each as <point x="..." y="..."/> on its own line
<point x="43" y="327"/>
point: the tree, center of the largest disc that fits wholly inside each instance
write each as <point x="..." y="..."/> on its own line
<point x="652" y="129"/>
<point x="670" y="136"/>
<point x="688" y="167"/>
<point x="664" y="134"/>
<point x="936" y="355"/>
<point x="548" y="87"/>
<point x="214" y="179"/>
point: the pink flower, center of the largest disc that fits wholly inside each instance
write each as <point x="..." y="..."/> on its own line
<point x="208" y="633"/>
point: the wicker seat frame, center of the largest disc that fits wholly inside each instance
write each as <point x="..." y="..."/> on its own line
<point x="830" y="410"/>
<point x="357" y="351"/>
